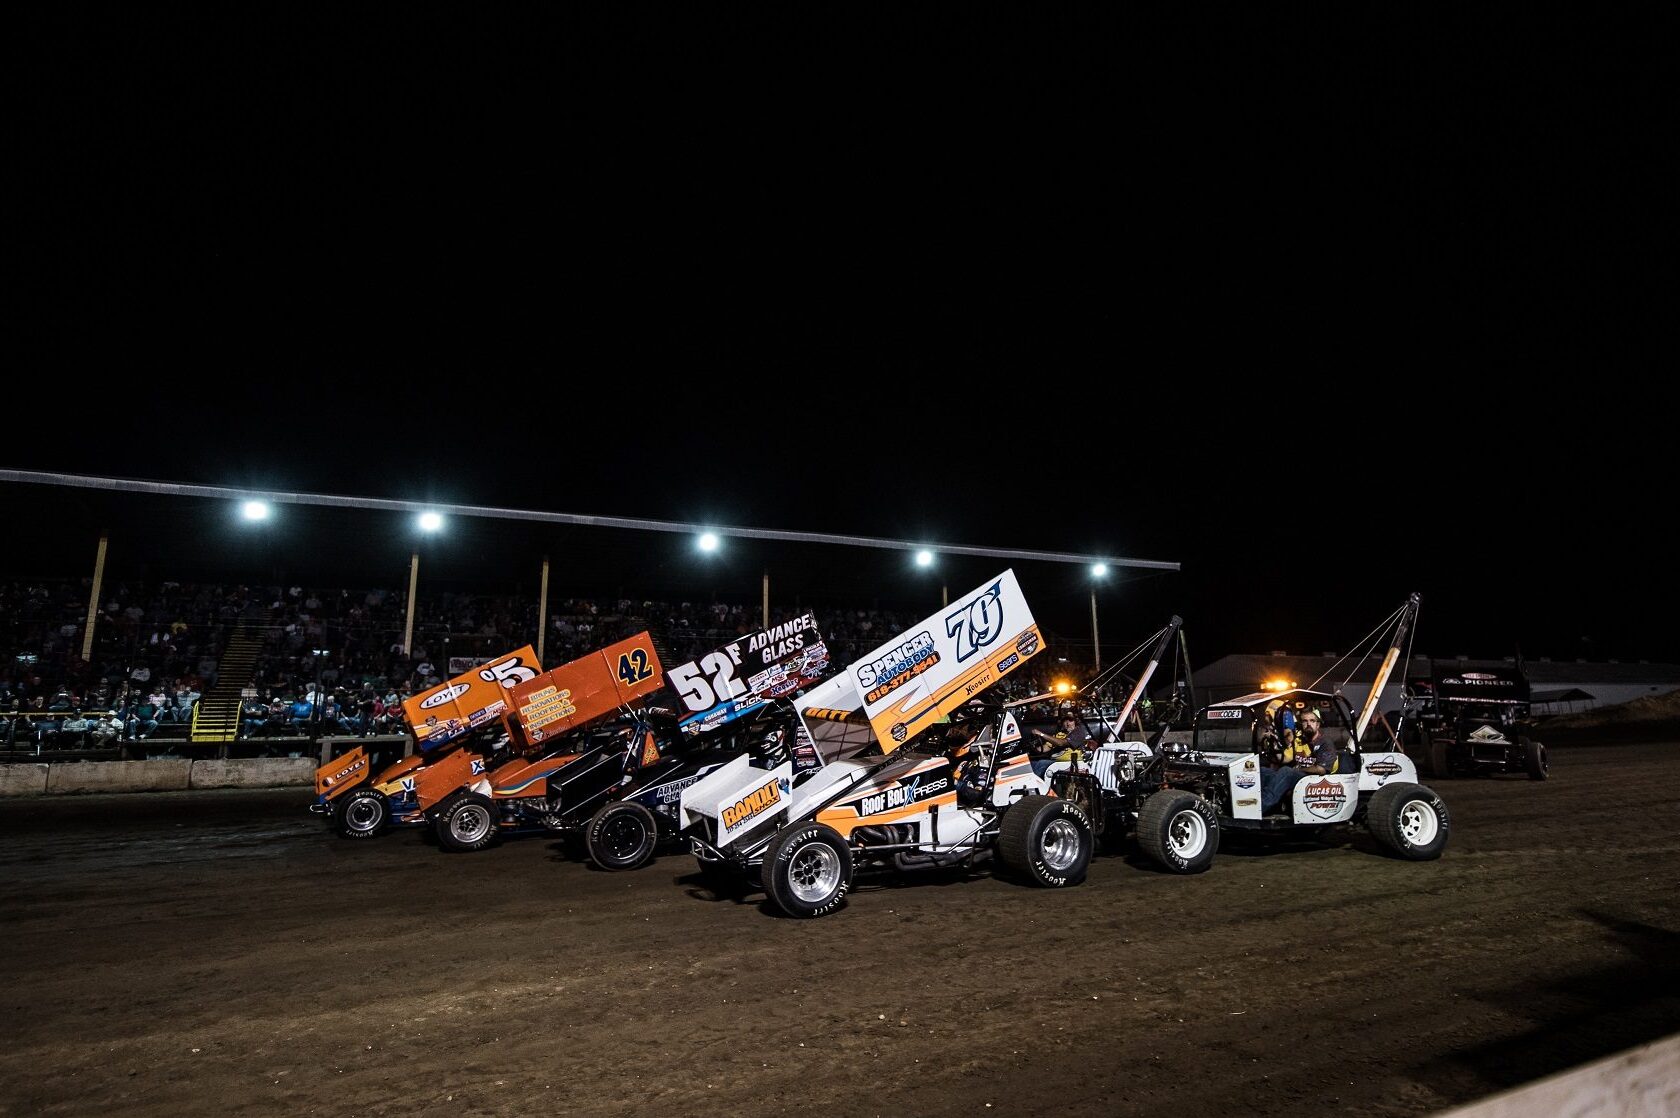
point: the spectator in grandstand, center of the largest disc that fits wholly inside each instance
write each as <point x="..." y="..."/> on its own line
<point x="106" y="730"/>
<point x="253" y="715"/>
<point x="73" y="730"/>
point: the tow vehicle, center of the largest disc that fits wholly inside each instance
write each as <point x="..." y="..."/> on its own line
<point x="1177" y="798"/>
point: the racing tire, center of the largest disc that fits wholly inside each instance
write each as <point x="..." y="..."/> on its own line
<point x="361" y="814"/>
<point x="808" y="870"/>
<point x="1046" y="840"/>
<point x="1179" y="831"/>
<point x="466" y="822"/>
<point x="1535" y="762"/>
<point x="622" y="836"/>
<point x="1409" y="821"/>
<point x="1440" y="765"/>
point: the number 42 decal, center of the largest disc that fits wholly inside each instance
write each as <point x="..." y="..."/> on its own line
<point x="633" y="666"/>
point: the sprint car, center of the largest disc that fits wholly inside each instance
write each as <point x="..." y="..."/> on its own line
<point x="1468" y="721"/>
<point x="459" y="728"/>
<point x="882" y="792"/>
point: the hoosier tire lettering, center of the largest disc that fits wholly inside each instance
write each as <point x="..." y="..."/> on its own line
<point x="808" y="870"/>
<point x="1179" y="831"/>
<point x="622" y="836"/>
<point x="361" y="814"/>
<point x="1047" y="840"/>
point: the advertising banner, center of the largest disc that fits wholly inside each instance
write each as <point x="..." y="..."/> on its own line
<point x="469" y="700"/>
<point x="930" y="669"/>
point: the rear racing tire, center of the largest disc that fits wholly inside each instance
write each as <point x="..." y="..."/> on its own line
<point x="1179" y="831"/>
<point x="1409" y="821"/>
<point x="1440" y="764"/>
<point x="361" y="814"/>
<point x="1046" y="840"/>
<point x="622" y="836"/>
<point x="808" y="870"/>
<point x="1535" y="761"/>
<point x="466" y="822"/>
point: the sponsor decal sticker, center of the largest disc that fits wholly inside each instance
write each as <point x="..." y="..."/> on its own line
<point x="1384" y="768"/>
<point x="1246" y="780"/>
<point x="1027" y="644"/>
<point x="444" y="696"/>
<point x="1249" y="764"/>
<point x="1216" y="715"/>
<point x="887" y="673"/>
<point x="1247" y="802"/>
<point x="360" y="762"/>
<point x="889" y="798"/>
<point x="1324" y="798"/>
<point x="754" y="803"/>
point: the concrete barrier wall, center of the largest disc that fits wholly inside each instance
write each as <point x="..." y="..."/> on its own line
<point x="1639" y="1083"/>
<point x="173" y="775"/>
<point x="253" y="772"/>
<point x="23" y="780"/>
<point x="118" y="776"/>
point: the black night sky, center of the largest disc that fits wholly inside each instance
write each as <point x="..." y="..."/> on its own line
<point x="1327" y="312"/>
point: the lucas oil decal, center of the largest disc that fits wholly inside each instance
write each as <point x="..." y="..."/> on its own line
<point x="755" y="803"/>
<point x="1324" y="798"/>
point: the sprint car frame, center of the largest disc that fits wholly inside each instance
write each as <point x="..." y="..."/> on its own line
<point x="963" y="794"/>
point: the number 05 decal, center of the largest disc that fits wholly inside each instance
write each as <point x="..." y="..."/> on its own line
<point x="633" y="666"/>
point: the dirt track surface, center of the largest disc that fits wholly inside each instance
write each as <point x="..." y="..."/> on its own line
<point x="217" y="953"/>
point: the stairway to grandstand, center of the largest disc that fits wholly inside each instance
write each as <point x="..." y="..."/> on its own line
<point x="216" y="718"/>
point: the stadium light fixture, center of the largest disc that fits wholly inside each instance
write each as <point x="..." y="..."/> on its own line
<point x="924" y="558"/>
<point x="431" y="521"/>
<point x="1278" y="685"/>
<point x="1063" y="687"/>
<point x="708" y="541"/>
<point x="254" y="510"/>
<point x="1098" y="570"/>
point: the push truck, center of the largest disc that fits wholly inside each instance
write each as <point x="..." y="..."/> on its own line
<point x="916" y="766"/>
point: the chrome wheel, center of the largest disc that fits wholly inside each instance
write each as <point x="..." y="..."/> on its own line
<point x="470" y="823"/>
<point x="363" y="814"/>
<point x="1059" y="845"/>
<point x="814" y="872"/>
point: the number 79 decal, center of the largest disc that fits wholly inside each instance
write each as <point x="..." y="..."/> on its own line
<point x="977" y="624"/>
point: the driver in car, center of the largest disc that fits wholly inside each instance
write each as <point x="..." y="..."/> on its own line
<point x="1312" y="755"/>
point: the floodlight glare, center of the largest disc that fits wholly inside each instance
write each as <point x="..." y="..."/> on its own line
<point x="254" y="510"/>
<point x="924" y="558"/>
<point x="708" y="541"/>
<point x="431" y="521"/>
<point x="1099" y="569"/>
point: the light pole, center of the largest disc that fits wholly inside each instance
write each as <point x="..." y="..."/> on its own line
<point x="1098" y="570"/>
<point x="429" y="522"/>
